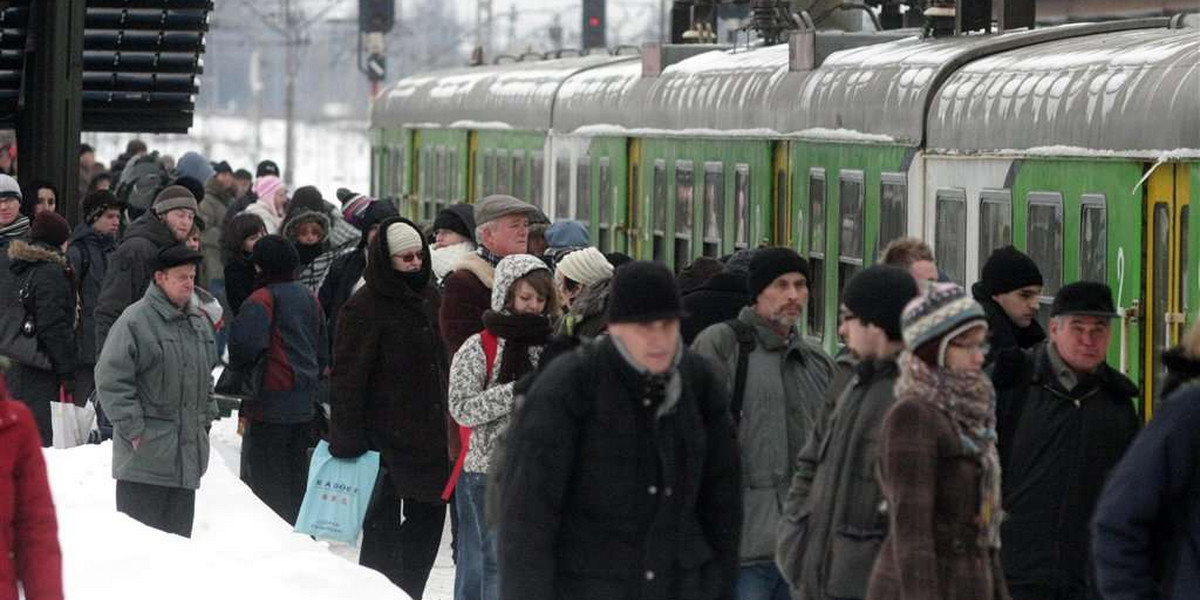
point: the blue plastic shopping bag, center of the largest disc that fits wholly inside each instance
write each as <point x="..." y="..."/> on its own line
<point x="338" y="493"/>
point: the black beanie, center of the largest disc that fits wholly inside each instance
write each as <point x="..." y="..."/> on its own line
<point x="878" y="295"/>
<point x="95" y="203"/>
<point x="1008" y="269"/>
<point x="769" y="263"/>
<point x="50" y="228"/>
<point x="459" y="218"/>
<point x="276" y="257"/>
<point x="642" y="292"/>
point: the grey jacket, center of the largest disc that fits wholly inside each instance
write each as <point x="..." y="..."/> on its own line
<point x="833" y="524"/>
<point x="153" y="379"/>
<point x="785" y="385"/>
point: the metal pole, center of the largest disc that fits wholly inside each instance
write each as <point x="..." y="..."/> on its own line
<point x="292" y="43"/>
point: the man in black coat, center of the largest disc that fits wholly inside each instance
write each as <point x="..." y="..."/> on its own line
<point x="1064" y="419"/>
<point x="718" y="299"/>
<point x="92" y="242"/>
<point x="1009" y="289"/>
<point x="621" y="475"/>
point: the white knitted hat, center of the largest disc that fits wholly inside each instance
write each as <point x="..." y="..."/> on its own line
<point x="587" y="266"/>
<point x="401" y="238"/>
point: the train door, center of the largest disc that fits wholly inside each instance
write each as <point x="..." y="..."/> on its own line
<point x="781" y="198"/>
<point x="1167" y="214"/>
<point x="634" y="216"/>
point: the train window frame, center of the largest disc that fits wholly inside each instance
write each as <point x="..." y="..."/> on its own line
<point x="516" y="164"/>
<point x="951" y="260"/>
<point x="398" y="156"/>
<point x="439" y="175"/>
<point x="1050" y="286"/>
<point x="684" y="211"/>
<point x="782" y="197"/>
<point x="1185" y="290"/>
<point x="891" y="181"/>
<point x="1001" y="198"/>
<point x="604" y="199"/>
<point x="583" y="191"/>
<point x="562" y="187"/>
<point x="429" y="191"/>
<point x="451" y="176"/>
<point x="536" y="173"/>
<point x="741" y="205"/>
<point x="658" y="211"/>
<point x="503" y="171"/>
<point x="817" y="251"/>
<point x="489" y="173"/>
<point x="851" y="242"/>
<point x="1097" y="203"/>
<point x="714" y="202"/>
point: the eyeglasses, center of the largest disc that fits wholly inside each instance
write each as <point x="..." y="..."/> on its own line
<point x="982" y="348"/>
<point x="4" y="199"/>
<point x="408" y="257"/>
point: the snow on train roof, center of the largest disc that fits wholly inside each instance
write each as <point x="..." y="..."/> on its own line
<point x="509" y="96"/>
<point x="1094" y="93"/>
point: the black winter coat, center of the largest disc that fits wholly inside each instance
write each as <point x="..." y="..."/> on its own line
<point x="89" y="253"/>
<point x="130" y="272"/>
<point x="602" y="501"/>
<point x="388" y="387"/>
<point x="53" y="294"/>
<point x="1056" y="449"/>
<point x="721" y="298"/>
<point x="1005" y="340"/>
<point x="1146" y="539"/>
<point x="239" y="281"/>
<point x="339" y="285"/>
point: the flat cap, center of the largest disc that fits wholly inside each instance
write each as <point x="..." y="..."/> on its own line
<point x="1084" y="298"/>
<point x="500" y="205"/>
<point x="176" y="255"/>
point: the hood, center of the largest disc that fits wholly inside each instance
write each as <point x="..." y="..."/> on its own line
<point x="150" y="227"/>
<point x="445" y="259"/>
<point x="593" y="300"/>
<point x="25" y="254"/>
<point x="307" y="216"/>
<point x="194" y="165"/>
<point x="381" y="277"/>
<point x="510" y="269"/>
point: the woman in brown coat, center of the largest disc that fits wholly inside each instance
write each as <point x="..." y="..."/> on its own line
<point x="938" y="465"/>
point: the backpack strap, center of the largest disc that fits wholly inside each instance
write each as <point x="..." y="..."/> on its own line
<point x="746" y="342"/>
<point x="490" y="344"/>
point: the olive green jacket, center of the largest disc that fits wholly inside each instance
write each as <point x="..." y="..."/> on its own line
<point x="153" y="380"/>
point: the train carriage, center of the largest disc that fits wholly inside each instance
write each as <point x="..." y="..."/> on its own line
<point x="1079" y="144"/>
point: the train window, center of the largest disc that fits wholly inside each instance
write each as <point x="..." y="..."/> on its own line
<point x="604" y="197"/>
<point x="398" y="170"/>
<point x="583" y="190"/>
<point x="684" y="189"/>
<point x="451" y="176"/>
<point x="489" y="173"/>
<point x="741" y="193"/>
<point x="995" y="222"/>
<point x="950" y="233"/>
<point x="850" y="233"/>
<point x="893" y="207"/>
<point x="1044" y="244"/>
<point x="518" y="175"/>
<point x="1093" y="238"/>
<point x="816" y="253"/>
<point x="439" y="174"/>
<point x="503" y="171"/>
<point x="535" y="179"/>
<point x="714" y="207"/>
<point x="659" y="208"/>
<point x="562" y="188"/>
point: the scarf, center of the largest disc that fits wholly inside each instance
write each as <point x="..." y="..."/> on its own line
<point x="309" y="252"/>
<point x="519" y="333"/>
<point x="970" y="401"/>
<point x="18" y="228"/>
<point x="491" y="257"/>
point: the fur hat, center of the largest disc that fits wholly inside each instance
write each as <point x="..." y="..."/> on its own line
<point x="50" y="228"/>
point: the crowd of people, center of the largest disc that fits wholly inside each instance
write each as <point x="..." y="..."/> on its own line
<point x="595" y="427"/>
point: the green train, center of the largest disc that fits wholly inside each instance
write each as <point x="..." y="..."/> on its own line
<point x="1079" y="144"/>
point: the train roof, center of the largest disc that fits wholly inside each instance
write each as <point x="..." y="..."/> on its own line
<point x="1088" y="95"/>
<point x="517" y="95"/>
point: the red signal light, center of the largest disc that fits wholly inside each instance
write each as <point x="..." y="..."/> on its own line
<point x="594" y="21"/>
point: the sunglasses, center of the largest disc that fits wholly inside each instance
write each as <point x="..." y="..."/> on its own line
<point x="409" y="257"/>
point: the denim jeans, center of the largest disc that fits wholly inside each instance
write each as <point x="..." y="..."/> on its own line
<point x="761" y="581"/>
<point x="476" y="576"/>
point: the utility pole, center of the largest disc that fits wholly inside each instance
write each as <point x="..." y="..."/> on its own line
<point x="483" y="27"/>
<point x="512" y="27"/>
<point x="293" y="41"/>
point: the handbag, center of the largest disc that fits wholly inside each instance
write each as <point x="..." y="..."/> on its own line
<point x="243" y="383"/>
<point x="18" y="332"/>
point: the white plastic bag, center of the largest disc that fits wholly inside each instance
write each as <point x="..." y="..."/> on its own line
<point x="71" y="423"/>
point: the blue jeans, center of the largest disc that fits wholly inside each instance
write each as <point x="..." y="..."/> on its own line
<point x="476" y="575"/>
<point x="761" y="581"/>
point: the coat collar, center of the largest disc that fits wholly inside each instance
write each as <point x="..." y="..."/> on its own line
<point x="770" y="339"/>
<point x="158" y="300"/>
<point x="1105" y="378"/>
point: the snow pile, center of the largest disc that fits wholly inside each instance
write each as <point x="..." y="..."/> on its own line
<point x="239" y="548"/>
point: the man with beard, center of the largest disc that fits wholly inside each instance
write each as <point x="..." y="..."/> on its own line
<point x="778" y="381"/>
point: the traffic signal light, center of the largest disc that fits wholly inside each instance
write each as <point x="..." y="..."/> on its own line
<point x="594" y="24"/>
<point x="376" y="16"/>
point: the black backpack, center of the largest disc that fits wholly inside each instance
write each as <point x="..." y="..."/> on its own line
<point x="746" y="343"/>
<point x="141" y="180"/>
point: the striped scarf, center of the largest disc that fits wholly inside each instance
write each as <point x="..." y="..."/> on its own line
<point x="19" y="228"/>
<point x="967" y="397"/>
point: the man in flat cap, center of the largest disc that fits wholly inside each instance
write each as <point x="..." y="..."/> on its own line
<point x="153" y="379"/>
<point x="1064" y="418"/>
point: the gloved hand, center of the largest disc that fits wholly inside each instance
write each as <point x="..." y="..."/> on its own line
<point x="347" y="450"/>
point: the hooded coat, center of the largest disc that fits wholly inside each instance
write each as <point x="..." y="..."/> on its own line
<point x="130" y="271"/>
<point x="388" y="386"/>
<point x="54" y="300"/>
<point x="265" y="209"/>
<point x="588" y="316"/>
<point x="89" y="254"/>
<point x="476" y="400"/>
<point x="29" y="551"/>
<point x="316" y="259"/>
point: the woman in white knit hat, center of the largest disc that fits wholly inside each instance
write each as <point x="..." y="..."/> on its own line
<point x="582" y="279"/>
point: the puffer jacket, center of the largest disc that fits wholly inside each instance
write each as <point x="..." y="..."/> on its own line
<point x="29" y="551"/>
<point x="130" y="271"/>
<point x="476" y="400"/>
<point x="54" y="301"/>
<point x="588" y="316"/>
<point x="89" y="254"/>
<point x="153" y="379"/>
<point x="783" y="399"/>
<point x="832" y="526"/>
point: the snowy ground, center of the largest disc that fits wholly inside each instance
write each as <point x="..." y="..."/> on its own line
<point x="239" y="548"/>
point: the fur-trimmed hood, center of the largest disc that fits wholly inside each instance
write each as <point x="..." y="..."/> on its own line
<point x="20" y="251"/>
<point x="307" y="216"/>
<point x="479" y="267"/>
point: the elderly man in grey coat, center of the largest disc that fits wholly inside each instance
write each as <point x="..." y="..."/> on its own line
<point x="153" y="380"/>
<point x="778" y="381"/>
